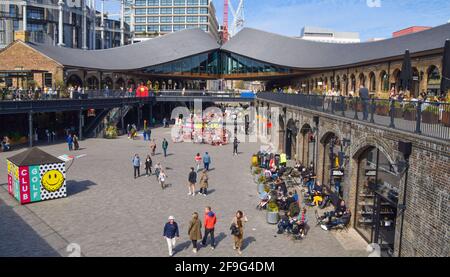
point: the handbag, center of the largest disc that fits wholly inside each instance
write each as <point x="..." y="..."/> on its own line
<point x="234" y="230"/>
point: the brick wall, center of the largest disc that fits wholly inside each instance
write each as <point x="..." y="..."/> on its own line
<point x="426" y="224"/>
<point x="19" y="55"/>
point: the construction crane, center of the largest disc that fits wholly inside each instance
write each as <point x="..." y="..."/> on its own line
<point x="238" y="18"/>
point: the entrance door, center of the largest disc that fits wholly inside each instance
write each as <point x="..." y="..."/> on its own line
<point x="289" y="144"/>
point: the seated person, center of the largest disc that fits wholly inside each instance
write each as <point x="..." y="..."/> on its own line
<point x="343" y="220"/>
<point x="302" y="220"/>
<point x="340" y="209"/>
<point x="317" y="188"/>
<point x="317" y="198"/>
<point x="267" y="174"/>
<point x="285" y="224"/>
<point x="291" y="198"/>
<point x="281" y="171"/>
<point x="6" y="144"/>
<point x="280" y="184"/>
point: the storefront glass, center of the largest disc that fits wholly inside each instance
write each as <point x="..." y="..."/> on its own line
<point x="377" y="198"/>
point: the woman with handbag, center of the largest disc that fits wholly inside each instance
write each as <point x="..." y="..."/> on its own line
<point x="237" y="230"/>
<point x="195" y="231"/>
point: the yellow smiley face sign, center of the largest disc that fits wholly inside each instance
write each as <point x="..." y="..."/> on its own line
<point x="52" y="180"/>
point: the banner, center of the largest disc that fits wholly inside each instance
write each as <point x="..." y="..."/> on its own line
<point x="24" y="180"/>
<point x="35" y="184"/>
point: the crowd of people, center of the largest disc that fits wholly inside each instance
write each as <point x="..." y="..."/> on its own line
<point x="171" y="231"/>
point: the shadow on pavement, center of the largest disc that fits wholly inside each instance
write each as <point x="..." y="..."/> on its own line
<point x="18" y="239"/>
<point x="247" y="241"/>
<point x="74" y="187"/>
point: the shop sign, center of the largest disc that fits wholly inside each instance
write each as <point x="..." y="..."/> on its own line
<point x="371" y="173"/>
<point x="337" y="173"/>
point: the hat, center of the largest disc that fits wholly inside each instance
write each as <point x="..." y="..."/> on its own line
<point x="171" y="218"/>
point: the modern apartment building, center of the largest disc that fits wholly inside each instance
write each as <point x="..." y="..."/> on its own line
<point x="151" y="18"/>
<point x="81" y="24"/>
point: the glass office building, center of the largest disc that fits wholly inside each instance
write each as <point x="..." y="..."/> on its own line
<point x="151" y="18"/>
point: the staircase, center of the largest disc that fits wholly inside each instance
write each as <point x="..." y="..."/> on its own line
<point x="96" y="129"/>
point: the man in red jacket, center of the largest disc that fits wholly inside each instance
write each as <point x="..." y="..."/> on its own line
<point x="210" y="222"/>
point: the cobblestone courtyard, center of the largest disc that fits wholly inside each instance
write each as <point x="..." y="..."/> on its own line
<point x="108" y="213"/>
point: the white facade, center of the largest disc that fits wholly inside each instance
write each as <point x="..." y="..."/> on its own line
<point x="329" y="36"/>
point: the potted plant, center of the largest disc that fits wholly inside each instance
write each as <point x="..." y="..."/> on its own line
<point x="382" y="108"/>
<point x="409" y="112"/>
<point x="446" y="113"/>
<point x="430" y="115"/>
<point x="398" y="110"/>
<point x="111" y="132"/>
<point x="272" y="213"/>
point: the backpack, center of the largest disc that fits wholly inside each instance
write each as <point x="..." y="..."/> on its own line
<point x="234" y="230"/>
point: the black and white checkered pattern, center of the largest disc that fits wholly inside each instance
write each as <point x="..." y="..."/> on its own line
<point x="62" y="192"/>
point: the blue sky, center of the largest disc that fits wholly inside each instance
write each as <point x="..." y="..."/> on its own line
<point x="287" y="17"/>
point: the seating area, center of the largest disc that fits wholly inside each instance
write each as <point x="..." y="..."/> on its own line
<point x="287" y="194"/>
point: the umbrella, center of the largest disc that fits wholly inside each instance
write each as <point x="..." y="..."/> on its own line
<point x="406" y="76"/>
<point x="445" y="82"/>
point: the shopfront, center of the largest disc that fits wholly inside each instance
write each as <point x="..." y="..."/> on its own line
<point x="376" y="199"/>
<point x="333" y="170"/>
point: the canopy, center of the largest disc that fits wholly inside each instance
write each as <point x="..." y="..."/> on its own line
<point x="33" y="156"/>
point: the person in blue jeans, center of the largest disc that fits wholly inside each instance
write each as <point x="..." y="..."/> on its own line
<point x="70" y="142"/>
<point x="206" y="161"/>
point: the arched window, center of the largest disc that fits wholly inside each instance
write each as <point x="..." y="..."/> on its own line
<point x="434" y="80"/>
<point x="373" y="82"/>
<point x="384" y="78"/>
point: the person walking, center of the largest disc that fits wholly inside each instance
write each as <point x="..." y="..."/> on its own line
<point x="148" y="166"/>
<point x="164" y="122"/>
<point x="70" y="142"/>
<point x="364" y="95"/>
<point x="210" y="221"/>
<point x="171" y="233"/>
<point x="235" y="146"/>
<point x="162" y="179"/>
<point x="192" y="180"/>
<point x="157" y="171"/>
<point x="153" y="147"/>
<point x="76" y="143"/>
<point x="206" y="161"/>
<point x="198" y="160"/>
<point x="129" y="130"/>
<point x="165" y="145"/>
<point x="195" y="231"/>
<point x="237" y="230"/>
<point x="204" y="183"/>
<point x="137" y="166"/>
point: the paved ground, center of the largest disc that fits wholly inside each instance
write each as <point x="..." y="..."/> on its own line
<point x="108" y="213"/>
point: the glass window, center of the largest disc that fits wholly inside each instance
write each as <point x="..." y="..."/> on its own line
<point x="140" y="19"/>
<point x="178" y="27"/>
<point x="48" y="79"/>
<point x="192" y="19"/>
<point x="166" y="2"/>
<point x="179" y="19"/>
<point x="153" y="11"/>
<point x="153" y="19"/>
<point x="179" y="11"/>
<point x="141" y="11"/>
<point x="166" y="28"/>
<point x="192" y="2"/>
<point x="192" y="10"/>
<point x="153" y="3"/>
<point x="153" y="28"/>
<point x="204" y="19"/>
<point x="140" y="28"/>
<point x="166" y="10"/>
<point x="141" y="2"/>
<point x="166" y="19"/>
<point x="203" y="10"/>
<point x="204" y="28"/>
<point x="204" y="2"/>
<point x="179" y="2"/>
<point x="35" y="13"/>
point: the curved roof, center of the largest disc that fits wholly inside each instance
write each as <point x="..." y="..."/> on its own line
<point x="156" y="51"/>
<point x="303" y="54"/>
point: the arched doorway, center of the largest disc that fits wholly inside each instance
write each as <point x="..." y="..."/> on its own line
<point x="107" y="83"/>
<point x="372" y="83"/>
<point x="352" y="84"/>
<point x="397" y="82"/>
<point x="384" y="81"/>
<point x="92" y="82"/>
<point x="331" y="148"/>
<point x="376" y="197"/>
<point x="308" y="145"/>
<point x="362" y="79"/>
<point x="434" y="80"/>
<point x="120" y="83"/>
<point x="291" y="139"/>
<point x="74" y="81"/>
<point x="415" y="89"/>
<point x="338" y="83"/>
<point x="281" y="134"/>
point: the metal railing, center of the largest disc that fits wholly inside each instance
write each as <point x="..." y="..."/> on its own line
<point x="430" y="119"/>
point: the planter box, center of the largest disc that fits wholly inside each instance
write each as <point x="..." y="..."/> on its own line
<point x="382" y="110"/>
<point x="398" y="112"/>
<point x="272" y="217"/>
<point x="446" y="118"/>
<point x="429" y="117"/>
<point x="408" y="115"/>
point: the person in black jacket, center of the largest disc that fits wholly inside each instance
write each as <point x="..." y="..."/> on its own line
<point x="171" y="233"/>
<point x="364" y="95"/>
<point x="192" y="180"/>
<point x="148" y="166"/>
